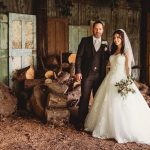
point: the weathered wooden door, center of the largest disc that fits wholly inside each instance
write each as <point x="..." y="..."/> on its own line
<point x="57" y="35"/>
<point x="22" y="42"/>
<point x="4" y="48"/>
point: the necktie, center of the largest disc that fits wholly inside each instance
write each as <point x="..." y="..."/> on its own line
<point x="97" y="45"/>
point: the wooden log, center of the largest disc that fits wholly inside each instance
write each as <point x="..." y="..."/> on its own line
<point x="20" y="74"/>
<point x="52" y="60"/>
<point x="58" y="116"/>
<point x="52" y="63"/>
<point x="56" y="87"/>
<point x="23" y="95"/>
<point x="76" y="84"/>
<point x="72" y="69"/>
<point x="75" y="94"/>
<point x="30" y="83"/>
<point x="39" y="101"/>
<point x="65" y="67"/>
<point x="30" y="73"/>
<point x="72" y="58"/>
<point x="63" y="77"/>
<point x="49" y="74"/>
<point x="56" y="101"/>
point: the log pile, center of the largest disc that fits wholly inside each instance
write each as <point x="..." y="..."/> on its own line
<point x="46" y="97"/>
<point x="57" y="112"/>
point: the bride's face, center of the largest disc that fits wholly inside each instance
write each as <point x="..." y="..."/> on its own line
<point x="117" y="39"/>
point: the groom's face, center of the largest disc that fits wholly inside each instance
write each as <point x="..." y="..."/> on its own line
<point x="98" y="30"/>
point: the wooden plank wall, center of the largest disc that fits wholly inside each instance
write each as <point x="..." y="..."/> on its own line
<point x="123" y="14"/>
<point x="18" y="6"/>
<point x="144" y="42"/>
<point x="148" y="49"/>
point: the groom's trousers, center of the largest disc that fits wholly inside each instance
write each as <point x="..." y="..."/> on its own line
<point x="88" y="85"/>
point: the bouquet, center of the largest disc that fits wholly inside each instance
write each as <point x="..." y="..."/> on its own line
<point x="125" y="86"/>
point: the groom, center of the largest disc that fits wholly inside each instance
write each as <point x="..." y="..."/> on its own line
<point x="92" y="57"/>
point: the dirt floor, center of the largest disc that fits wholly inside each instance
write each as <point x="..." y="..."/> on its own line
<point x="22" y="133"/>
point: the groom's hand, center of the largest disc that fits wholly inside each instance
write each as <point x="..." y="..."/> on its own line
<point x="78" y="76"/>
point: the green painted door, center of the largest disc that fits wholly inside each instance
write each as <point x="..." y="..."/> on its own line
<point x="22" y="42"/>
<point x="4" y="48"/>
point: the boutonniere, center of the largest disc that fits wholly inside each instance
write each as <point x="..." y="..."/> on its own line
<point x="105" y="42"/>
<point x="105" y="49"/>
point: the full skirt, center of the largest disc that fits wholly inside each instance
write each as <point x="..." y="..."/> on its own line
<point x="112" y="116"/>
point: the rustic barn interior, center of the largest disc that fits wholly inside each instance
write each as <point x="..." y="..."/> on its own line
<point x="36" y="39"/>
<point x="60" y="25"/>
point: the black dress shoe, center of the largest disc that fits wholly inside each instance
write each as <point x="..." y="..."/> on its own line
<point x="79" y="127"/>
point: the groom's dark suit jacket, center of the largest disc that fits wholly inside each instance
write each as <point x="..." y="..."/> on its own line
<point x="86" y="56"/>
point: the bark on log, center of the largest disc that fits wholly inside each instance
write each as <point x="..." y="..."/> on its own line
<point x="39" y="101"/>
<point x="58" y="117"/>
<point x="20" y="74"/>
<point x="75" y="94"/>
<point x="65" y="67"/>
<point x="30" y="83"/>
<point x="52" y="63"/>
<point x="72" y="69"/>
<point x="56" y="87"/>
<point x="64" y="77"/>
<point x="56" y="101"/>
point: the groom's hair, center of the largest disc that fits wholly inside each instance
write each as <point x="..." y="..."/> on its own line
<point x="96" y="22"/>
<point x="114" y="46"/>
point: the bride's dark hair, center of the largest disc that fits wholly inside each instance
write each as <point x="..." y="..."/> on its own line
<point x="114" y="46"/>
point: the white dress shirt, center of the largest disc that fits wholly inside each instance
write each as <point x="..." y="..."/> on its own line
<point x="97" y="43"/>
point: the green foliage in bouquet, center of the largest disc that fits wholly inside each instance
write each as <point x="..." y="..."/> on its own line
<point x="125" y="86"/>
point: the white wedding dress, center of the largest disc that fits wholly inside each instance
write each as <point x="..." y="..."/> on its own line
<point x="111" y="116"/>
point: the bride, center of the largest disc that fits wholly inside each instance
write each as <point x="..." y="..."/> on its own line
<point x="126" y="119"/>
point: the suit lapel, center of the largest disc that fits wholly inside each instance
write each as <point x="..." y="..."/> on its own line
<point x="101" y="46"/>
<point x="92" y="48"/>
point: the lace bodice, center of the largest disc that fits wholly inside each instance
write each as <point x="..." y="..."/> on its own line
<point x="117" y="63"/>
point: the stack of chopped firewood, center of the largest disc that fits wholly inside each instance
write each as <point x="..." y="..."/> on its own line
<point x="57" y="112"/>
<point x="47" y="97"/>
